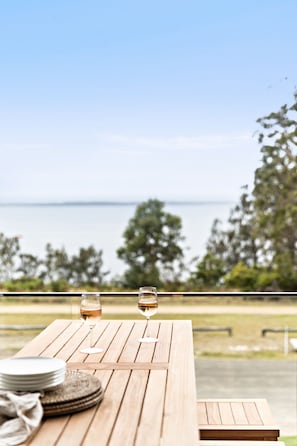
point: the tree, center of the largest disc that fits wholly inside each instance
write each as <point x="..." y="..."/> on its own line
<point x="29" y="266"/>
<point x="229" y="245"/>
<point x="56" y="265"/>
<point x="241" y="235"/>
<point x="152" y="248"/>
<point x="243" y="277"/>
<point x="275" y="193"/>
<point x="86" y="267"/>
<point x="9" y="249"/>
<point x="209" y="271"/>
<point x="260" y="243"/>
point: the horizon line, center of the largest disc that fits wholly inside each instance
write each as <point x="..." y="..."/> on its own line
<point x="111" y="202"/>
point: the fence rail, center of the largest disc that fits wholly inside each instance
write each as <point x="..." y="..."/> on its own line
<point x="278" y="330"/>
<point x="228" y="329"/>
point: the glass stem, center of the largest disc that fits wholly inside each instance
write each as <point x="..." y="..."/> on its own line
<point x="147" y="327"/>
<point x="91" y="336"/>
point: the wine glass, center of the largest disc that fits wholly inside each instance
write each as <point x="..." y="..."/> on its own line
<point x="90" y="313"/>
<point x="147" y="306"/>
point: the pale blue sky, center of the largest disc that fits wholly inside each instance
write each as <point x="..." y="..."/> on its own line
<point x="137" y="99"/>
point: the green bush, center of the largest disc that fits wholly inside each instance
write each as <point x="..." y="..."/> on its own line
<point x="24" y="285"/>
<point x="59" y="286"/>
<point x="242" y="277"/>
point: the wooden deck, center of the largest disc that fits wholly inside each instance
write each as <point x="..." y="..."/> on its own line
<point x="240" y="443"/>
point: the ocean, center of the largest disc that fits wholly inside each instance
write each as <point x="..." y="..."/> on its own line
<point x="102" y="225"/>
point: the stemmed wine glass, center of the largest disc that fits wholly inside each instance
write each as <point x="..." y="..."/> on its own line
<point x="147" y="306"/>
<point x="90" y="313"/>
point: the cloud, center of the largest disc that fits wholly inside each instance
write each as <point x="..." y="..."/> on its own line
<point x="179" y="143"/>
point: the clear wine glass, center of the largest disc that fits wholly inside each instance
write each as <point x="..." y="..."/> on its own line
<point x="90" y="313"/>
<point x="148" y="306"/>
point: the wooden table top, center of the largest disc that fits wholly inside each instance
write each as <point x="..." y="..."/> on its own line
<point x="150" y="391"/>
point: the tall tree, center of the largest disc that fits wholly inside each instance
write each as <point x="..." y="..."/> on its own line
<point x="56" y="265"/>
<point x="29" y="266"/>
<point x="275" y="193"/>
<point x="228" y="245"/>
<point x="9" y="249"/>
<point x="86" y="267"/>
<point x="152" y="247"/>
<point x="261" y="238"/>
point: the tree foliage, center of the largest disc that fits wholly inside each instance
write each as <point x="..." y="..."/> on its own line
<point x="56" y="268"/>
<point x="29" y="266"/>
<point x="9" y="249"/>
<point x="152" y="248"/>
<point x="275" y="194"/>
<point x="86" y="267"/>
<point x="259" y="247"/>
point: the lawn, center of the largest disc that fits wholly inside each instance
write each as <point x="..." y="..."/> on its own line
<point x="289" y="441"/>
<point x="245" y="342"/>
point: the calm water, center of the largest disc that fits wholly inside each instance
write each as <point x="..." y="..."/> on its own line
<point x="76" y="226"/>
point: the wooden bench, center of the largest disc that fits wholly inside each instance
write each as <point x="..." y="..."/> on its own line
<point x="236" y="419"/>
<point x="240" y="443"/>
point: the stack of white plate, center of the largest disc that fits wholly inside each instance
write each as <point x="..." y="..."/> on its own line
<point x="31" y="373"/>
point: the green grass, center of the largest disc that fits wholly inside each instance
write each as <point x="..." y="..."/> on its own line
<point x="289" y="441"/>
<point x="31" y="318"/>
<point x="246" y="341"/>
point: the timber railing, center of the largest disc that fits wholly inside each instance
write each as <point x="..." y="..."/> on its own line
<point x="270" y="296"/>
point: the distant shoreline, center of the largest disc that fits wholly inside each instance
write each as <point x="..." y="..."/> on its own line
<point x="115" y="203"/>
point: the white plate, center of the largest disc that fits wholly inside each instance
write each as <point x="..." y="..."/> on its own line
<point x="31" y="366"/>
<point x="29" y="385"/>
<point x="30" y="378"/>
<point x="47" y="384"/>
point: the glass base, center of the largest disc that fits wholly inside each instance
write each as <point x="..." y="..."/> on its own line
<point x="91" y="350"/>
<point x="148" y="339"/>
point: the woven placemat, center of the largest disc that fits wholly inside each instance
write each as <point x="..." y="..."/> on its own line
<point x="79" y="391"/>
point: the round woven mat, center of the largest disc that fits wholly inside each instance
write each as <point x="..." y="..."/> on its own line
<point x="78" y="392"/>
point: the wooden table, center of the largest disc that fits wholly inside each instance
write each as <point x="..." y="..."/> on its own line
<point x="150" y="392"/>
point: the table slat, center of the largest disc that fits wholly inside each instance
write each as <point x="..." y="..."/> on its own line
<point x="49" y="432"/>
<point x="180" y="394"/>
<point x="126" y="425"/>
<point x="132" y="345"/>
<point x="106" y="415"/>
<point x="118" y="341"/>
<point x="149" y="429"/>
<point x="162" y="349"/>
<point x="41" y="342"/>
